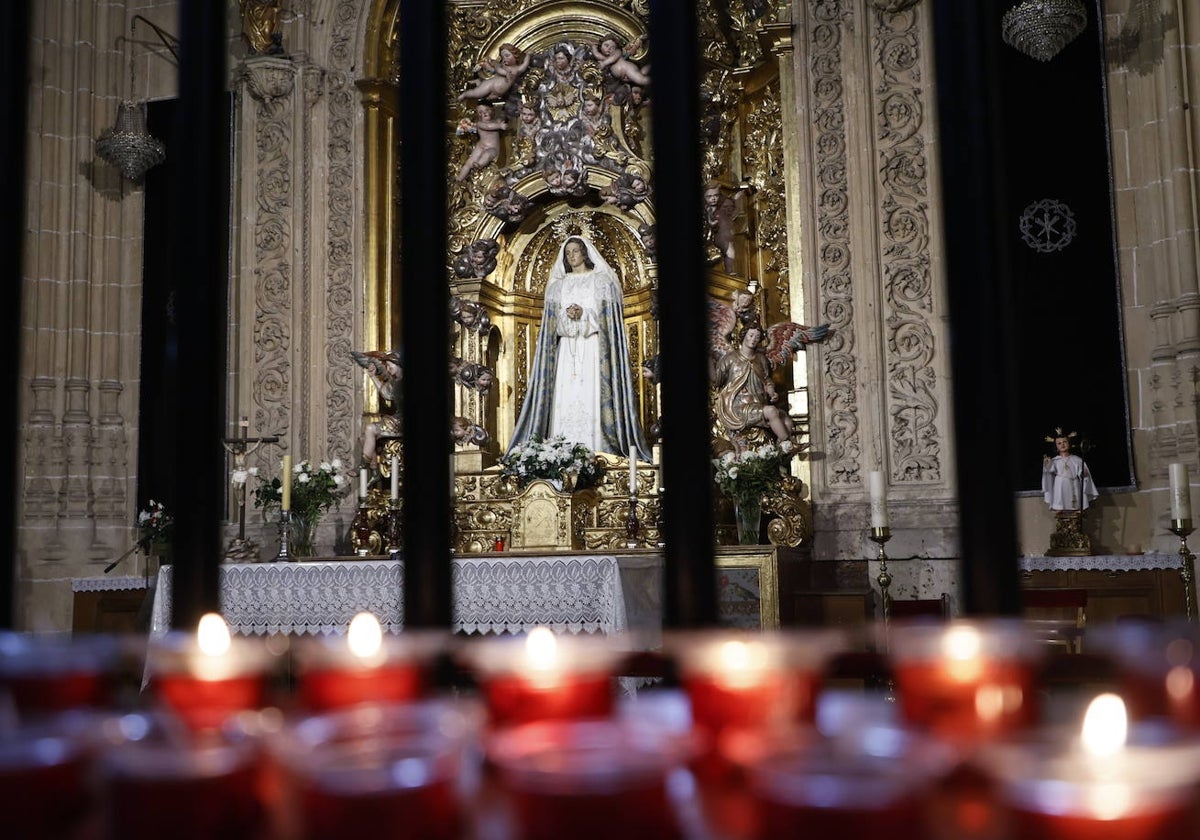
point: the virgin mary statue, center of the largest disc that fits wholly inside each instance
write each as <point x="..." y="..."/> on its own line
<point x="581" y="385"/>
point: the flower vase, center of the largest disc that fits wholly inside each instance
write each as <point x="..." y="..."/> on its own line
<point x="749" y="515"/>
<point x="302" y="536"/>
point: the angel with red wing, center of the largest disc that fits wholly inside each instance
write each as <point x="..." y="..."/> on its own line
<point x="741" y="372"/>
<point x="385" y="371"/>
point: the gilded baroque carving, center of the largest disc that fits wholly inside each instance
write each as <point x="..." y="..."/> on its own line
<point x="904" y="223"/>
<point x="844" y="447"/>
<point x="766" y="168"/>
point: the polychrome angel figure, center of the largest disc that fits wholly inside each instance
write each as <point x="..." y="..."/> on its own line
<point x="383" y="368"/>
<point x="615" y="59"/>
<point x="498" y="77"/>
<point x="741" y="373"/>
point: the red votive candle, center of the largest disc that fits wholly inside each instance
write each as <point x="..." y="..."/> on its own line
<point x="156" y="783"/>
<point x="545" y="677"/>
<point x="364" y="666"/>
<point x="966" y="680"/>
<point x="46" y="674"/>
<point x="738" y="682"/>
<point x="206" y="677"/>
<point x="1159" y="667"/>
<point x="1100" y="787"/>
<point x="588" y="780"/>
<point x="42" y="781"/>
<point x="403" y="770"/>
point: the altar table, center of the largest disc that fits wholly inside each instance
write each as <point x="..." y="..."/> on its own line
<point x="572" y="593"/>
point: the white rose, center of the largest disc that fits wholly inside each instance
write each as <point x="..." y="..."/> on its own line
<point x="733" y="472"/>
<point x="303" y="478"/>
<point x="325" y="466"/>
<point x="337" y="463"/>
<point x="339" y="479"/>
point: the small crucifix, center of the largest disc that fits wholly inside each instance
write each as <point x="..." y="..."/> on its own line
<point x="241" y="549"/>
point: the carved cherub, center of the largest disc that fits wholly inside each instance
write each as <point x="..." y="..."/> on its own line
<point x="472" y="375"/>
<point x="615" y="59"/>
<point x="463" y="432"/>
<point x="487" y="148"/>
<point x="505" y="203"/>
<point x="628" y="190"/>
<point x="741" y="371"/>
<point x="499" y="76"/>
<point x="720" y="213"/>
<point x="477" y="259"/>
<point x="649" y="236"/>
<point x="471" y="315"/>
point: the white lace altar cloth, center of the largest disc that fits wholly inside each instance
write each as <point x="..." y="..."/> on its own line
<point x="111" y="584"/>
<point x="1100" y="563"/>
<point x="577" y="594"/>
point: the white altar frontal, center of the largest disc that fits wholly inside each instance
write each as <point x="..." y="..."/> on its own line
<point x="583" y="593"/>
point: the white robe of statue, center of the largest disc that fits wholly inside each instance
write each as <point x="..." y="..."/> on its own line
<point x="1066" y="478"/>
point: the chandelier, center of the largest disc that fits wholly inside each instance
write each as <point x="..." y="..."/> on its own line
<point x="1041" y="28"/>
<point x="128" y="145"/>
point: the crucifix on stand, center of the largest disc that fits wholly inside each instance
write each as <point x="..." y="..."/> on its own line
<point x="240" y="549"/>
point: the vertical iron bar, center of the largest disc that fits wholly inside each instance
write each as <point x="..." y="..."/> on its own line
<point x="690" y="587"/>
<point x="424" y="322"/>
<point x="200" y="253"/>
<point x="981" y="304"/>
<point x="14" y="70"/>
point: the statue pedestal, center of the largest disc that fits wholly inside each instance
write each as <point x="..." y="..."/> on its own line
<point x="1068" y="539"/>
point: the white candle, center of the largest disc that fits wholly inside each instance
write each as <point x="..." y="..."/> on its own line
<point x="656" y="455"/>
<point x="285" y="479"/>
<point x="632" y="471"/>
<point x="878" y="493"/>
<point x="362" y="482"/>
<point x="395" y="477"/>
<point x="1181" y="492"/>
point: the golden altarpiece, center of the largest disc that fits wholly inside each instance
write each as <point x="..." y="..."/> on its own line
<point x="548" y="135"/>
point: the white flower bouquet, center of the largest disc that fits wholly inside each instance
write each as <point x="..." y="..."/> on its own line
<point x="549" y="459"/>
<point x="746" y="476"/>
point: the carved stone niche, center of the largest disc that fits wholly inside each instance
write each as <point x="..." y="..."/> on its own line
<point x="543" y="518"/>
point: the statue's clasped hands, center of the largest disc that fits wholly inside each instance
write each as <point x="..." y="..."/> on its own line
<point x="574" y="311"/>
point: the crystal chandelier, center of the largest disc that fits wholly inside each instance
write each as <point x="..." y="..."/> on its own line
<point x="128" y="145"/>
<point x="1041" y="28"/>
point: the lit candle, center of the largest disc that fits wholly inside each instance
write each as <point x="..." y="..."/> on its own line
<point x="285" y="479"/>
<point x="632" y="471"/>
<point x="395" y="477"/>
<point x="362" y="483"/>
<point x="365" y="666"/>
<point x="206" y="677"/>
<point x="1181" y="493"/>
<point x="966" y="681"/>
<point x="878" y="493"/>
<point x="543" y="677"/>
<point x="1101" y="786"/>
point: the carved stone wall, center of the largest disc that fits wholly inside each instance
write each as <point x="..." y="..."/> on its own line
<point x="869" y="239"/>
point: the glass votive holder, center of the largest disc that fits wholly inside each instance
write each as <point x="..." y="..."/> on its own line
<point x="543" y="676"/>
<point x="408" y="768"/>
<point x="966" y="680"/>
<point x="205" y="683"/>
<point x="1052" y="788"/>
<point x="43" y="777"/>
<point x="368" y="666"/>
<point x="49" y="673"/>
<point x="156" y="780"/>
<point x="871" y="781"/>
<point x="1158" y="665"/>
<point x="737" y="681"/>
<point x="589" y="780"/>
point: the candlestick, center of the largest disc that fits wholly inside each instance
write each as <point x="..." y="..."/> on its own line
<point x="1187" y="561"/>
<point x="880" y="536"/>
<point x="395" y="529"/>
<point x="632" y="471"/>
<point x="361" y="530"/>
<point x="878" y="495"/>
<point x="632" y="526"/>
<point x="285" y="526"/>
<point x="1181" y="492"/>
<point x="285" y="481"/>
<point x="395" y="477"/>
